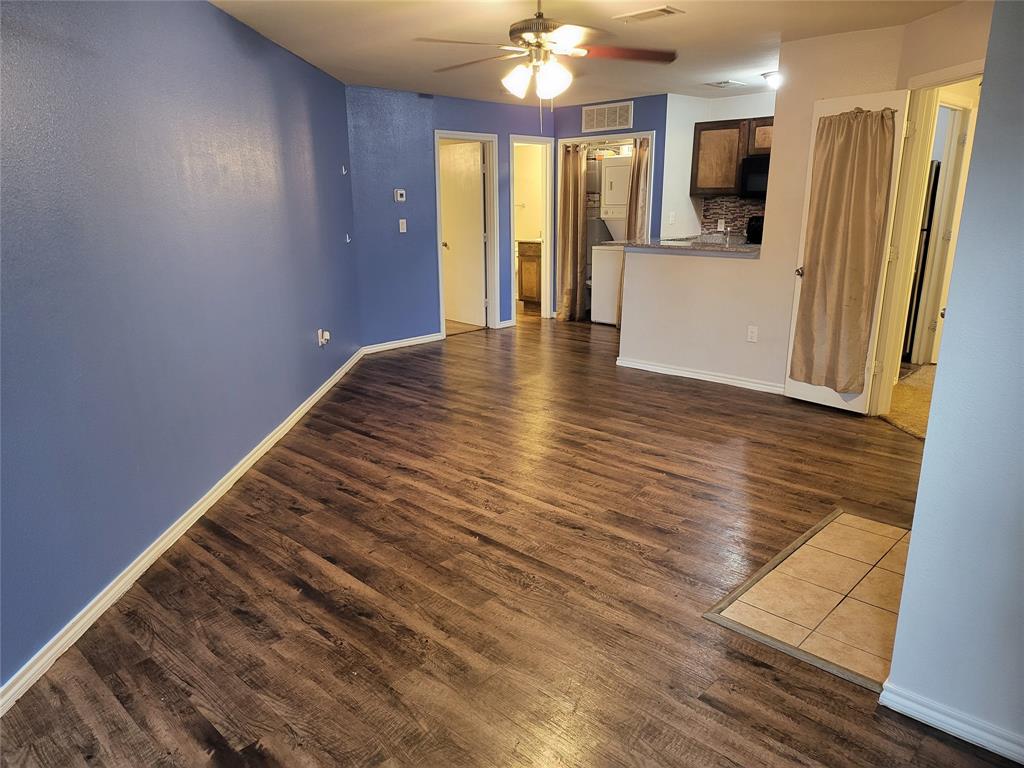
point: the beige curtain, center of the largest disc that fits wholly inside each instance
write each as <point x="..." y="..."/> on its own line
<point x="636" y="205"/>
<point x="572" y="232"/>
<point x="845" y="245"/>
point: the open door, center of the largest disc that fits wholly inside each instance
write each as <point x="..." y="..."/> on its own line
<point x="850" y="401"/>
<point x="463" y="232"/>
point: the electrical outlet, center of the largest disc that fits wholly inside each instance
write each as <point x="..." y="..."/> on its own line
<point x="323" y="338"/>
<point x="721" y="225"/>
<point x="671" y="217"/>
<point x="402" y="226"/>
<point x="752" y="334"/>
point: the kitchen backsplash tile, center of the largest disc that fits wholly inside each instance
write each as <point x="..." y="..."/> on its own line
<point x="735" y="210"/>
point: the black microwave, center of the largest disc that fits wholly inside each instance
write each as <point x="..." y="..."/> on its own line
<point x="754" y="176"/>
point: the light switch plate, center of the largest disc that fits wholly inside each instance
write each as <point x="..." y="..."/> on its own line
<point x="399" y="195"/>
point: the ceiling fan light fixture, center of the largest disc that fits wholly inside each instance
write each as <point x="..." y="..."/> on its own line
<point x="774" y="79"/>
<point x="517" y="81"/>
<point x="552" y="79"/>
<point x="567" y="36"/>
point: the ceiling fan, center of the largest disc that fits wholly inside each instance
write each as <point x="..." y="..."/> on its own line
<point x="542" y="41"/>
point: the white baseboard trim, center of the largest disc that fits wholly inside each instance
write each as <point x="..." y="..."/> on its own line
<point x="44" y="658"/>
<point x="953" y="721"/>
<point x="384" y="346"/>
<point x="690" y="373"/>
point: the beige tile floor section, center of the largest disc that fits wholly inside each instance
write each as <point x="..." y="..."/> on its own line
<point x="836" y="596"/>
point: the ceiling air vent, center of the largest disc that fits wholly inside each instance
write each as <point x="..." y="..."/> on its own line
<point x="608" y="117"/>
<point x="725" y="84"/>
<point x="649" y="15"/>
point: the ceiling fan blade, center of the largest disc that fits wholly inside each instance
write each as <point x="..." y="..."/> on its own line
<point x="481" y="61"/>
<point x="456" y="42"/>
<point x="632" y="54"/>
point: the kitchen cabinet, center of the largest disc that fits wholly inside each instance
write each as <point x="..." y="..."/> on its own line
<point x="718" y="149"/>
<point x="759" y="136"/>
<point x="529" y="271"/>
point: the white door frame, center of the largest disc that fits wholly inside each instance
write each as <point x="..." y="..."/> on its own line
<point x="859" y="402"/>
<point x="492" y="301"/>
<point x="592" y="139"/>
<point x="546" y="247"/>
<point x="910" y="197"/>
<point x="948" y="203"/>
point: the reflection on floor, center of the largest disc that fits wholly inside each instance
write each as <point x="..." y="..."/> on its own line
<point x="830" y="598"/>
<point x="454" y="327"/>
<point x="911" y="401"/>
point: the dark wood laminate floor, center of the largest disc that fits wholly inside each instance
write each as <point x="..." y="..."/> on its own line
<point x="491" y="551"/>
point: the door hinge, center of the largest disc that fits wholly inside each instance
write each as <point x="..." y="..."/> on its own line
<point x="877" y="368"/>
<point x="485" y="237"/>
<point x="962" y="141"/>
<point x="947" y="236"/>
<point x="894" y="253"/>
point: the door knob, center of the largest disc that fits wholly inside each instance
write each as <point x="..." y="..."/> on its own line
<point x="444" y="243"/>
<point x="799" y="272"/>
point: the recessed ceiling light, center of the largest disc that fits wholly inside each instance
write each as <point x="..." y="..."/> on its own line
<point x="774" y="79"/>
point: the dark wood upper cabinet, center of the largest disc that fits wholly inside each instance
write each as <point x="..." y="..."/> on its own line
<point x="718" y="149"/>
<point x="759" y="136"/>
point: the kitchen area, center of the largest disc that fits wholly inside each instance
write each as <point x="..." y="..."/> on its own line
<point x="728" y="184"/>
<point x="691" y="301"/>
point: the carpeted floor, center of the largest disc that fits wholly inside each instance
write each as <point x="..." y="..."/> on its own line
<point x="911" y="401"/>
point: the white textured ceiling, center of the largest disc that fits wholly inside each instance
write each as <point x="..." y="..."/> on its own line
<point x="371" y="43"/>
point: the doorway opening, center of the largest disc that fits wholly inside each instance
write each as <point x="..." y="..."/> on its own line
<point x="532" y="186"/>
<point x="601" y="175"/>
<point x="933" y="184"/>
<point x="466" y="220"/>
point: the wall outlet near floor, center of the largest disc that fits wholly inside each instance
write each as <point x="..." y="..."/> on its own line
<point x="752" y="333"/>
<point x="721" y="225"/>
<point x="671" y="217"/>
<point x="323" y="338"/>
<point x="402" y="226"/>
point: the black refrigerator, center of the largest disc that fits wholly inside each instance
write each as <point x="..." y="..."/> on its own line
<point x="920" y="262"/>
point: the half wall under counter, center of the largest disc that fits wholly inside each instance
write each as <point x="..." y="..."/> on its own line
<point x="686" y="310"/>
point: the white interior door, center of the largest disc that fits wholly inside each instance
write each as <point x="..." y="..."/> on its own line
<point x="462" y="232"/>
<point x="899" y="101"/>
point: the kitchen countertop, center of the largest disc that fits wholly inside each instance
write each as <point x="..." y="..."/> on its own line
<point x="691" y="246"/>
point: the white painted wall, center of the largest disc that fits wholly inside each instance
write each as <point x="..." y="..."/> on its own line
<point x="528" y="192"/>
<point x="680" y="213"/>
<point x="710" y="302"/>
<point x="942" y="40"/>
<point x="959" y="654"/>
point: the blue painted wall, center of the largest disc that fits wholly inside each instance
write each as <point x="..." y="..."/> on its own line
<point x="392" y="142"/>
<point x="392" y="139"/>
<point x="174" y="222"/>
<point x="173" y="233"/>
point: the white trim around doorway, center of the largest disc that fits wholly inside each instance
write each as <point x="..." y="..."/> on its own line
<point x="492" y="292"/>
<point x="547" y="245"/>
<point x="626" y="136"/>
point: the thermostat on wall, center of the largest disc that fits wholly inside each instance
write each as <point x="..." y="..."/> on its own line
<point x="399" y="195"/>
